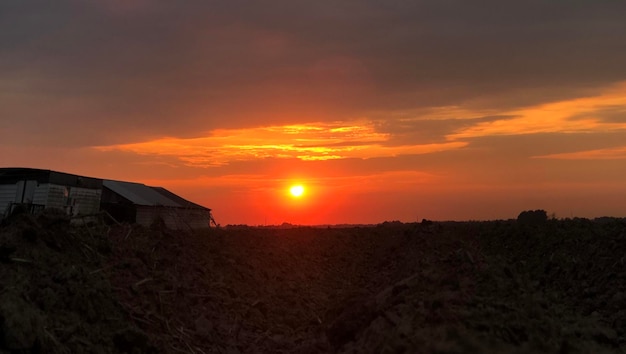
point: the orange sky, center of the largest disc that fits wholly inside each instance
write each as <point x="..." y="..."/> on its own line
<point x="396" y="111"/>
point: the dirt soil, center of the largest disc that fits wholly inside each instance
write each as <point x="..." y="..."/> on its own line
<point x="471" y="287"/>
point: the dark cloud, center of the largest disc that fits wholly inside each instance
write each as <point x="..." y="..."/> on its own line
<point x="612" y="114"/>
<point x="524" y="147"/>
<point x="98" y="72"/>
<point x="428" y="131"/>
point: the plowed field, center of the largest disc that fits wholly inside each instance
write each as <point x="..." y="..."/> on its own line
<point x="466" y="287"/>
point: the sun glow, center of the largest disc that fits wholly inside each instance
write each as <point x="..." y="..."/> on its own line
<point x="296" y="191"/>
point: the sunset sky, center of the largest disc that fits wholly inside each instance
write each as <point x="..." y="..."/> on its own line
<point x="382" y="110"/>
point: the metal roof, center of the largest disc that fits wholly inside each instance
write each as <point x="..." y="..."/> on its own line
<point x="140" y="194"/>
<point x="181" y="201"/>
<point x="13" y="175"/>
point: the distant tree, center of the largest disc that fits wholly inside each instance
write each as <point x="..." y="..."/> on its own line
<point x="426" y="222"/>
<point x="532" y="217"/>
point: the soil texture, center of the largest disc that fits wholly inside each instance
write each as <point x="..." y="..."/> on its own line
<point x="430" y="287"/>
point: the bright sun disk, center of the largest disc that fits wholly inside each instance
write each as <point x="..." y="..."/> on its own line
<point x="296" y="191"/>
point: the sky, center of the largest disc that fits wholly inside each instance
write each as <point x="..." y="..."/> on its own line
<point x="383" y="110"/>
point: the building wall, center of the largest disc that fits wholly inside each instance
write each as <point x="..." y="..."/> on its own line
<point x="7" y="196"/>
<point x="77" y="200"/>
<point x="41" y="194"/>
<point x="194" y="218"/>
<point x="85" y="201"/>
<point x="25" y="191"/>
<point x="174" y="218"/>
<point x="146" y="215"/>
<point x="57" y="197"/>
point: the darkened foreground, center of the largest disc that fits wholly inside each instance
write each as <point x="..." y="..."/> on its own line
<point x="476" y="287"/>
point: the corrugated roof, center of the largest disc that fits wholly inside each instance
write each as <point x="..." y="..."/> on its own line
<point x="140" y="194"/>
<point x="180" y="200"/>
<point x="15" y="174"/>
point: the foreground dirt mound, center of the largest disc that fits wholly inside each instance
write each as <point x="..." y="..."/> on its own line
<point x="498" y="287"/>
<point x="52" y="297"/>
<point x="492" y="287"/>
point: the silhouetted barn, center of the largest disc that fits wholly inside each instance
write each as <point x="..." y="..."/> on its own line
<point x="37" y="189"/>
<point x="144" y="205"/>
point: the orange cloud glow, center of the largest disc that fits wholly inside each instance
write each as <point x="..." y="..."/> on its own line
<point x="580" y="115"/>
<point x="597" y="154"/>
<point x="308" y="142"/>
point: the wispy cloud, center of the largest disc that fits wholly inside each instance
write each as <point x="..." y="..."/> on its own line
<point x="421" y="132"/>
<point x="315" y="141"/>
<point x="579" y="115"/>
<point x="615" y="153"/>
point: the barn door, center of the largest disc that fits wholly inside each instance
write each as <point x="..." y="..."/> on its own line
<point x="25" y="191"/>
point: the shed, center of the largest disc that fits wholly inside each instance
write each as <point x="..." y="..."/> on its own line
<point x="142" y="204"/>
<point x="39" y="189"/>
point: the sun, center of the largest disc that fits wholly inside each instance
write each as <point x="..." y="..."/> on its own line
<point x="296" y="191"/>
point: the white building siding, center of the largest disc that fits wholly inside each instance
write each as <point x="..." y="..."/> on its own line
<point x="7" y="196"/>
<point x="40" y="196"/>
<point x="194" y="218"/>
<point x="174" y="218"/>
<point x="57" y="197"/>
<point x="25" y="191"/>
<point x="78" y="201"/>
<point x="85" y="201"/>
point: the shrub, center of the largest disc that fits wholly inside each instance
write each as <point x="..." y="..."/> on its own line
<point x="532" y="217"/>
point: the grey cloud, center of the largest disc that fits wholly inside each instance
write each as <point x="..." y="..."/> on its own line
<point x="526" y="146"/>
<point x="614" y="114"/>
<point x="173" y="68"/>
<point x="428" y="131"/>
